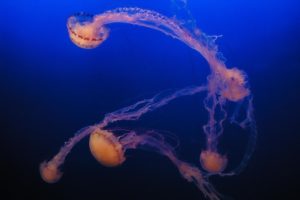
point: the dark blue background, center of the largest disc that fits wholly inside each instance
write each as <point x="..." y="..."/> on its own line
<point x="50" y="88"/>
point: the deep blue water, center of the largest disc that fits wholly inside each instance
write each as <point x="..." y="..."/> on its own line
<point x="50" y="88"/>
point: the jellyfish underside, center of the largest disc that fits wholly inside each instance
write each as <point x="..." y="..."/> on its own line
<point x="84" y="34"/>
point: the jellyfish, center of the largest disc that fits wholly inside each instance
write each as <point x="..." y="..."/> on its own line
<point x="83" y="33"/>
<point x="106" y="148"/>
<point x="224" y="85"/>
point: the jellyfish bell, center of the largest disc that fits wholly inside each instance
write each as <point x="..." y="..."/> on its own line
<point x="85" y="32"/>
<point x="106" y="148"/>
<point x="212" y="161"/>
<point x="50" y="172"/>
<point x="234" y="85"/>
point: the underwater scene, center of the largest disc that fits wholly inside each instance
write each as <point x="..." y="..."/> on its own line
<point x="140" y="99"/>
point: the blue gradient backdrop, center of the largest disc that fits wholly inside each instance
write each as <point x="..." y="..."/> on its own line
<point x="49" y="88"/>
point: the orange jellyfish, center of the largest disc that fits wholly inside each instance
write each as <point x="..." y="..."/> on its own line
<point x="106" y="148"/>
<point x="83" y="32"/>
<point x="49" y="172"/>
<point x="212" y="161"/>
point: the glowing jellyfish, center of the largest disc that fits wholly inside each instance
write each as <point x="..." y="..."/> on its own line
<point x="83" y="33"/>
<point x="213" y="162"/>
<point x="106" y="148"/>
<point x="224" y="85"/>
<point x="49" y="172"/>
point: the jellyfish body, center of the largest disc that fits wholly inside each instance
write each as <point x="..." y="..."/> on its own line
<point x="106" y="148"/>
<point x="212" y="161"/>
<point x="233" y="87"/>
<point x="50" y="172"/>
<point x="84" y="33"/>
